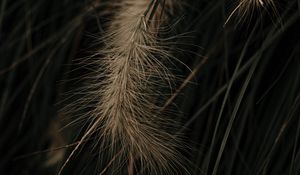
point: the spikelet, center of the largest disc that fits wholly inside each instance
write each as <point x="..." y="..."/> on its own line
<point x="247" y="7"/>
<point x="128" y="87"/>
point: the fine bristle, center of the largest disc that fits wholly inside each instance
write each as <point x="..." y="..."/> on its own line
<point x="248" y="7"/>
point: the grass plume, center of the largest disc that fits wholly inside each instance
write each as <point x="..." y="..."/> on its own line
<point x="128" y="85"/>
<point x="248" y="7"/>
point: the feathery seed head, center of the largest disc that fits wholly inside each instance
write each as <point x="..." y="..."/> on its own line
<point x="128" y="86"/>
<point x="248" y="7"/>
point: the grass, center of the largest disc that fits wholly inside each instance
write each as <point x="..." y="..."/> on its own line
<point x="211" y="87"/>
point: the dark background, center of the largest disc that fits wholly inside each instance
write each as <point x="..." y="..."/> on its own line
<point x="240" y="110"/>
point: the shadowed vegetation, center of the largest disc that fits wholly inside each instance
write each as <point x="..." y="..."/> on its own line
<point x="150" y="87"/>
